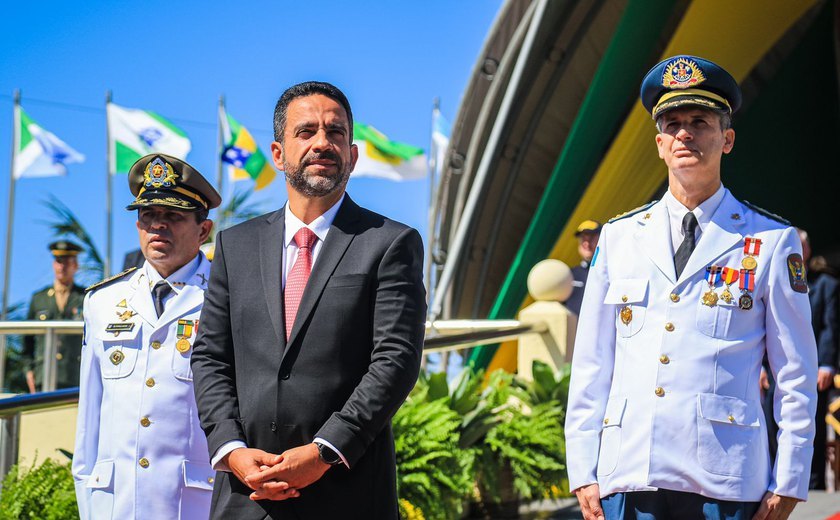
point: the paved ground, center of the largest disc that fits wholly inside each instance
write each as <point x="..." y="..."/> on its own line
<point x="820" y="506"/>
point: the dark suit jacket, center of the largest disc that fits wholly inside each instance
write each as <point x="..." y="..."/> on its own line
<point x="825" y="318"/>
<point x="353" y="356"/>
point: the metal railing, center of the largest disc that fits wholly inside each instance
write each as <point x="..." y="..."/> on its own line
<point x="50" y="330"/>
<point x="441" y="336"/>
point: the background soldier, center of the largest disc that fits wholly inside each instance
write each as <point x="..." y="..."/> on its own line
<point x="62" y="300"/>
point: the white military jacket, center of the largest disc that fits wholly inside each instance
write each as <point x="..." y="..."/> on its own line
<point x="140" y="452"/>
<point x="664" y="390"/>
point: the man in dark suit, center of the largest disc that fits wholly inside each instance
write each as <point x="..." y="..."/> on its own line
<point x="311" y="335"/>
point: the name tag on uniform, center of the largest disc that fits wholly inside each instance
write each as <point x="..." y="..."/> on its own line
<point x="116" y="328"/>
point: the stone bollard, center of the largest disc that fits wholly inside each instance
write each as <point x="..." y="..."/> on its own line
<point x="549" y="283"/>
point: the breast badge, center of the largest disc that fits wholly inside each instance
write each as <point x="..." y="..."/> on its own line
<point x="626" y="315"/>
<point x="117" y="357"/>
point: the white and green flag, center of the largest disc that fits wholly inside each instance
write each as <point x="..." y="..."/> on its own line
<point x="383" y="158"/>
<point x="135" y="133"/>
<point x="39" y="153"/>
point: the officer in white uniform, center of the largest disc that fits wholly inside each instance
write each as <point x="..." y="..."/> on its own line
<point x="140" y="452"/>
<point x="683" y="299"/>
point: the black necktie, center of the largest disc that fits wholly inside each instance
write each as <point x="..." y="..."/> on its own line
<point x="689" y="226"/>
<point x="160" y="291"/>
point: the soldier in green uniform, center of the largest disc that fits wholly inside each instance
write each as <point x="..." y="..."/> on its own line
<point x="62" y="300"/>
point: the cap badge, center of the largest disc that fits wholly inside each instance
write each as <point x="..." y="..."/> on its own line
<point x="159" y="174"/>
<point x="682" y="73"/>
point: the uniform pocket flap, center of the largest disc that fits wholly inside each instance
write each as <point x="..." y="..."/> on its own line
<point x="727" y="409"/>
<point x="627" y="291"/>
<point x="615" y="412"/>
<point x="199" y="475"/>
<point x="101" y="475"/>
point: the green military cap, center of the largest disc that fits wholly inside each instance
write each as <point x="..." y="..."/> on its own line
<point x="163" y="180"/>
<point x="62" y="248"/>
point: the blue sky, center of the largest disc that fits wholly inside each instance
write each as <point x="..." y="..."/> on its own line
<point x="391" y="58"/>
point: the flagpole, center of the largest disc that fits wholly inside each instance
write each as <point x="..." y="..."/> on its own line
<point x="430" y="244"/>
<point x="108" y="181"/>
<point x="220" y="140"/>
<point x="7" y="263"/>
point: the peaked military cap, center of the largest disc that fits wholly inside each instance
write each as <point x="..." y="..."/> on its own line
<point x="689" y="81"/>
<point x="61" y="248"/>
<point x="163" y="180"/>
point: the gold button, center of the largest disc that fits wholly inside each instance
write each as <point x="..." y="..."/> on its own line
<point x="144" y="462"/>
<point x="145" y="422"/>
<point x="607" y="420"/>
<point x="675" y="297"/>
<point x="664" y="359"/>
<point x="210" y="480"/>
<point x="150" y="382"/>
<point x="659" y="391"/>
<point x="624" y="298"/>
<point x="42" y="317"/>
<point x="59" y="356"/>
<point x="155" y="345"/>
<point x="97" y="479"/>
<point x="669" y="327"/>
<point x="731" y="419"/>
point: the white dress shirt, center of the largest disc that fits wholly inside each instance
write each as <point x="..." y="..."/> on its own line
<point x="703" y="213"/>
<point x="320" y="226"/>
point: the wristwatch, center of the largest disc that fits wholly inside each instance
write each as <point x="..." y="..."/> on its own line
<point x="328" y="455"/>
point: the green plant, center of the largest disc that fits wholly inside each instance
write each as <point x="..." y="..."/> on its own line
<point x="433" y="475"/>
<point x="45" y="492"/>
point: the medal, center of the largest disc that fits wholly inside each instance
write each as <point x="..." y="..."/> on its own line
<point x="747" y="285"/>
<point x="745" y="302"/>
<point x="729" y="276"/>
<point x="710" y="298"/>
<point x="752" y="247"/>
<point x="185" y="331"/>
<point x="626" y="315"/>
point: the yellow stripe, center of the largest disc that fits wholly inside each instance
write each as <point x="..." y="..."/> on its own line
<point x="182" y="191"/>
<point x="59" y="252"/>
<point x="631" y="171"/>
<point x="691" y="92"/>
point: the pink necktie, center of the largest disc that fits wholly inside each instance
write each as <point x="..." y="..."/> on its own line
<point x="298" y="276"/>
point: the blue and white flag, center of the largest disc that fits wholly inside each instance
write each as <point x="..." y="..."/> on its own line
<point x="39" y="153"/>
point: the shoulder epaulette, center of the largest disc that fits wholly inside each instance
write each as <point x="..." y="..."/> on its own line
<point x="632" y="212"/>
<point x="110" y="279"/>
<point x="764" y="212"/>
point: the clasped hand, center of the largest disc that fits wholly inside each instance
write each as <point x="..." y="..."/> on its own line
<point x="277" y="477"/>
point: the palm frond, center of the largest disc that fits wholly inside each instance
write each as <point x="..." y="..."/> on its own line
<point x="239" y="208"/>
<point x="66" y="224"/>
